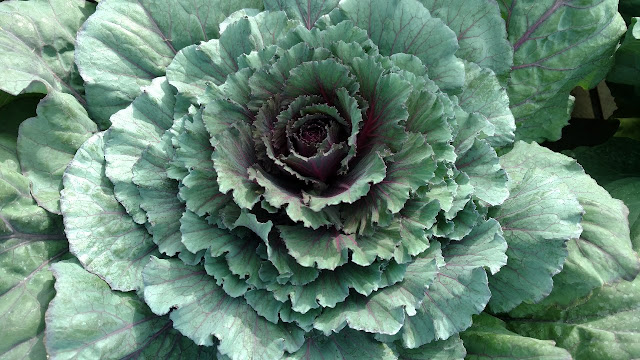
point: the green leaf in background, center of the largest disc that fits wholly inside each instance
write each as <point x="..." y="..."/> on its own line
<point x="47" y="143"/>
<point x="603" y="325"/>
<point x="616" y="166"/>
<point x="489" y="338"/>
<point x="37" y="41"/>
<point x="347" y="344"/>
<point x="556" y="45"/>
<point x="87" y="320"/>
<point x="626" y="69"/>
<point x="30" y="240"/>
<point x="602" y="254"/>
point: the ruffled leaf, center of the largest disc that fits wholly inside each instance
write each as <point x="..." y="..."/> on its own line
<point x="137" y="41"/>
<point x="306" y="11"/>
<point x="347" y="344"/>
<point x="101" y="234"/>
<point x="202" y="309"/>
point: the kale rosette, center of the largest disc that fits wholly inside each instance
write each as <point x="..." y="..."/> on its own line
<point x="288" y="181"/>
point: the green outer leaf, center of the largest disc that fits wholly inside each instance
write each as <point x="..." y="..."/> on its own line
<point x="347" y="344"/>
<point x="133" y="129"/>
<point x="30" y="240"/>
<point x="603" y="326"/>
<point x="37" y="39"/>
<point x="627" y="190"/>
<point x="47" y="143"/>
<point x="87" y="319"/>
<point x="481" y="32"/>
<point x="538" y="220"/>
<point x="137" y="41"/>
<point x="556" y="44"/>
<point x="202" y="309"/>
<point x="603" y="253"/>
<point x="306" y="11"/>
<point x="488" y="338"/>
<point x="101" y="234"/>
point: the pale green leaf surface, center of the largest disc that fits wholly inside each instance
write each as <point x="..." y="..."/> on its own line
<point x="384" y="312"/>
<point x="450" y="349"/>
<point x="460" y="287"/>
<point x="480" y="30"/>
<point x="488" y="178"/>
<point x="30" y="240"/>
<point x="488" y="338"/>
<point x="101" y="234"/>
<point x="602" y="253"/>
<point x="538" y="220"/>
<point x="136" y="41"/>
<point x="87" y="320"/>
<point x="202" y="309"/>
<point x="556" y="44"/>
<point x="305" y="11"/>
<point x="133" y="129"/>
<point x="37" y="40"/>
<point x="347" y="344"/>
<point x="483" y="94"/>
<point x="408" y="27"/>
<point x="47" y="143"/>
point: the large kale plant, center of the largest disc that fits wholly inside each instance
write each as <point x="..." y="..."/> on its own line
<point x="307" y="179"/>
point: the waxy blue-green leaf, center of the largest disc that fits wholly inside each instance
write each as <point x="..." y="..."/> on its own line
<point x="488" y="178"/>
<point x="87" y="319"/>
<point x="306" y="11"/>
<point x="602" y="254"/>
<point x="408" y="27"/>
<point x="484" y="95"/>
<point x="101" y="234"/>
<point x="37" y="41"/>
<point x="449" y="349"/>
<point x="488" y="338"/>
<point x="347" y="344"/>
<point x="30" y="240"/>
<point x="47" y="143"/>
<point x="202" y="311"/>
<point x="385" y="311"/>
<point x="603" y="325"/>
<point x="538" y="220"/>
<point x="137" y="41"/>
<point x="141" y="124"/>
<point x="460" y="287"/>
<point x="480" y="30"/>
<point x="556" y="44"/>
<point x="198" y="66"/>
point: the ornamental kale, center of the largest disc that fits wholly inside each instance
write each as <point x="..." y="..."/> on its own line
<point x="352" y="179"/>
